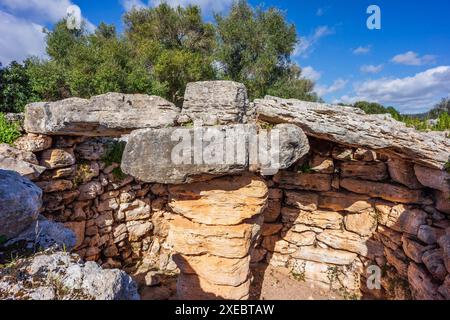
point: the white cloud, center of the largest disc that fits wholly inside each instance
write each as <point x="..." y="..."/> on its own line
<point x="21" y="26"/>
<point x="19" y="39"/>
<point x="410" y="94"/>
<point x="337" y="85"/>
<point x="320" y="12"/>
<point x="130" y="4"/>
<point x="310" y="73"/>
<point x="362" y="50"/>
<point x="207" y="6"/>
<point x="411" y="58"/>
<point x="306" y="44"/>
<point x="372" y="68"/>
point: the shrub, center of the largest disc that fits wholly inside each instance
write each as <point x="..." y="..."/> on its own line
<point x="9" y="131"/>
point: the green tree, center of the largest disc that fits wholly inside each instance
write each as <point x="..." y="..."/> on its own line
<point x="254" y="47"/>
<point x="174" y="44"/>
<point x="15" y="87"/>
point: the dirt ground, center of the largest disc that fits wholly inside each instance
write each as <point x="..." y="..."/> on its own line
<point x="271" y="283"/>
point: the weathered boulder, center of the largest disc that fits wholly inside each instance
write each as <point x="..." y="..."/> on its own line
<point x="215" y="102"/>
<point x="45" y="234"/>
<point x="25" y="169"/>
<point x="442" y="201"/>
<point x="20" y="201"/>
<point x="7" y="151"/>
<point x="111" y="114"/>
<point x="62" y="276"/>
<point x="352" y="127"/>
<point x="222" y="201"/>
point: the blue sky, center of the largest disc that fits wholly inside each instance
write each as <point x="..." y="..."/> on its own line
<point x="406" y="64"/>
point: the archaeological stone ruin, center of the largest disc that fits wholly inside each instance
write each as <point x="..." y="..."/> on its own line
<point x="139" y="188"/>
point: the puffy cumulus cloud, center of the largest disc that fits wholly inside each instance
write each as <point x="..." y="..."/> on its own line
<point x="362" y="50"/>
<point x="19" y="39"/>
<point x="411" y="58"/>
<point x="409" y="95"/>
<point x="21" y="25"/>
<point x="306" y="45"/>
<point x="336" y="86"/>
<point x="207" y="6"/>
<point x="310" y="73"/>
<point x="372" y="68"/>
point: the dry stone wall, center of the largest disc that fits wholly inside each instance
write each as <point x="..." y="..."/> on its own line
<point x="359" y="193"/>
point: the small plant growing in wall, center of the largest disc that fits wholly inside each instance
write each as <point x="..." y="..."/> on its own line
<point x="299" y="271"/>
<point x="305" y="168"/>
<point x="114" y="154"/>
<point x="447" y="167"/>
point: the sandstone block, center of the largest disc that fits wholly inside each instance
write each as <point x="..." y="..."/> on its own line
<point x="374" y="171"/>
<point x="57" y="158"/>
<point x="385" y="191"/>
<point x="432" y="178"/>
<point x="344" y="201"/>
<point x="302" y="200"/>
<point x="363" y="223"/>
<point x="223" y="201"/>
<point x="33" y="142"/>
<point x="321" y="219"/>
<point x="303" y="181"/>
<point x="402" y="172"/>
<point x="332" y="256"/>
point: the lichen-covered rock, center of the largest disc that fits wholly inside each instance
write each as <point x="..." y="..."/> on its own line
<point x="111" y="114"/>
<point x="57" y="158"/>
<point x="156" y="155"/>
<point x="20" y="201"/>
<point x="222" y="201"/>
<point x="33" y="142"/>
<point x="62" y="276"/>
<point x="215" y="102"/>
<point x="45" y="234"/>
<point x="352" y="127"/>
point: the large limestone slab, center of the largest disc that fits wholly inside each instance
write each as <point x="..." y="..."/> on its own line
<point x="332" y="256"/>
<point x="215" y="102"/>
<point x="176" y="156"/>
<point x="20" y="201"/>
<point x="222" y="201"/>
<point x="352" y="127"/>
<point x="184" y="155"/>
<point x="111" y="114"/>
<point x="349" y="241"/>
